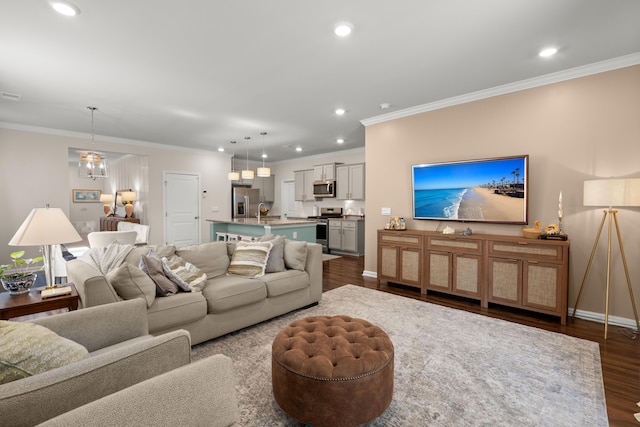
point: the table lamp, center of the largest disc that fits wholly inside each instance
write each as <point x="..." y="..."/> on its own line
<point x="106" y="199"/>
<point x="610" y="192"/>
<point x="46" y="227"/>
<point x="128" y="197"/>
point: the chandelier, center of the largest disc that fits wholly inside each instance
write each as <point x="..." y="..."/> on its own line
<point x="92" y="165"/>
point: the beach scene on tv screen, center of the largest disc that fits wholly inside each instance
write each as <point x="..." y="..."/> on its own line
<point x="486" y="190"/>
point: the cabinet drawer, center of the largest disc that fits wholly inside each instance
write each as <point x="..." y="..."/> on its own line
<point x="400" y="237"/>
<point x="455" y="244"/>
<point x="523" y="249"/>
<point x="348" y="224"/>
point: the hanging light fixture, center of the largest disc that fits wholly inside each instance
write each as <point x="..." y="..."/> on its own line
<point x="233" y="175"/>
<point x="263" y="172"/>
<point x="92" y="165"/>
<point x="247" y="173"/>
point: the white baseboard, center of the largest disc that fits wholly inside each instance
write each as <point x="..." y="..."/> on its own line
<point x="580" y="314"/>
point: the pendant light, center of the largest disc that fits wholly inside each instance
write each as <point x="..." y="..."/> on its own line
<point x="263" y="172"/>
<point x="92" y="165"/>
<point x="247" y="173"/>
<point x="233" y="175"/>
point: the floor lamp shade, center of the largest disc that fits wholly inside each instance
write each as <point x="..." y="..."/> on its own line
<point x="612" y="192"/>
<point x="45" y="227"/>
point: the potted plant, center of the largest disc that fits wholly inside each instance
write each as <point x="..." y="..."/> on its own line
<point x="18" y="277"/>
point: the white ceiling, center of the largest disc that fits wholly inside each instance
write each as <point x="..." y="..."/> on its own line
<point x="201" y="73"/>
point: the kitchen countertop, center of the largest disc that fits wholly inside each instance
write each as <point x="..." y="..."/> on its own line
<point x="273" y="222"/>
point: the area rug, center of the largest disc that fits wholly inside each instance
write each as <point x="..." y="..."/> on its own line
<point x="327" y="257"/>
<point x="452" y="368"/>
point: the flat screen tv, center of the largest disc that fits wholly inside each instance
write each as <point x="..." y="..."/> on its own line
<point x="485" y="190"/>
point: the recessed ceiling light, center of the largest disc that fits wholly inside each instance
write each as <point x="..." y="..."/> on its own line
<point x="340" y="111"/>
<point x="547" y="52"/>
<point x="343" y="29"/>
<point x="385" y="106"/>
<point x="298" y="149"/>
<point x="264" y="155"/>
<point x="65" y="8"/>
<point x="220" y="149"/>
<point x="340" y="141"/>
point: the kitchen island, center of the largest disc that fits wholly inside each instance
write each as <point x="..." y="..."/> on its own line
<point x="293" y="229"/>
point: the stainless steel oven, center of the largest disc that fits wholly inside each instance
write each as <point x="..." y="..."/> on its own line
<point x="322" y="225"/>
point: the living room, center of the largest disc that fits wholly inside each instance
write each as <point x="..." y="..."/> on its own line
<point x="576" y="125"/>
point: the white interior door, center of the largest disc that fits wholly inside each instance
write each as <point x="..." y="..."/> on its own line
<point x="288" y="198"/>
<point x="182" y="208"/>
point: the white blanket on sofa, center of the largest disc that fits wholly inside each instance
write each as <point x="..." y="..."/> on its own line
<point x="107" y="258"/>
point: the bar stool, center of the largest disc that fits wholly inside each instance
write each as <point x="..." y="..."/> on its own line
<point x="232" y="236"/>
<point x="221" y="236"/>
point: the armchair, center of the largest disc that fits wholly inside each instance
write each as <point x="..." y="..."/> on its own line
<point x="121" y="354"/>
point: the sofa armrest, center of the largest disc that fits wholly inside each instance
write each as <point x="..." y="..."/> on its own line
<point x="101" y="326"/>
<point x="49" y="394"/>
<point x="314" y="268"/>
<point x="200" y="394"/>
<point x="93" y="288"/>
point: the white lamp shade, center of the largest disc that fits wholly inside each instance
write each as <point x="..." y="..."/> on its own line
<point x="247" y="174"/>
<point x="129" y="196"/>
<point x="612" y="192"/>
<point x="45" y="226"/>
<point x="264" y="172"/>
<point x="106" y="198"/>
<point x="233" y="176"/>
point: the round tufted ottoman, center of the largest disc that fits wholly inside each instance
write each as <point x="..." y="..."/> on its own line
<point x="332" y="371"/>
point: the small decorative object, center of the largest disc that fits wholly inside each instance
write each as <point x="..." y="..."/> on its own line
<point x="264" y="211"/>
<point x="401" y="224"/>
<point x="448" y="230"/>
<point x="560" y="213"/>
<point x="17" y="280"/>
<point x="467" y="232"/>
<point x="533" y="233"/>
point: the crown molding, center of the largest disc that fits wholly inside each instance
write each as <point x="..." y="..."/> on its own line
<point x="572" y="73"/>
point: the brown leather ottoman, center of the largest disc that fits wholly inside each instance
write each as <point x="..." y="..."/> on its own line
<point x="332" y="371"/>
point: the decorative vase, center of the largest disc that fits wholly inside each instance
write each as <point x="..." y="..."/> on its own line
<point x="128" y="208"/>
<point x="18" y="285"/>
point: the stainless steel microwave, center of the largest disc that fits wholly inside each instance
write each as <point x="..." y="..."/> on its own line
<point x="324" y="189"/>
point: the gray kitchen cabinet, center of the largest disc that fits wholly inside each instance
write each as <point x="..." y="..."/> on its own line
<point x="350" y="182"/>
<point x="346" y="236"/>
<point x="266" y="185"/>
<point x="325" y="172"/>
<point x="304" y="185"/>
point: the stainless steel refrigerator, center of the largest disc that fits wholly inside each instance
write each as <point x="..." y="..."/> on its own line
<point x="244" y="203"/>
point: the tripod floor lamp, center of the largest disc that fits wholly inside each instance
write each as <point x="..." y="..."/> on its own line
<point x="611" y="193"/>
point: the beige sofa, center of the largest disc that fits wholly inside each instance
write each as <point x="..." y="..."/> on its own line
<point x="227" y="303"/>
<point x="129" y="377"/>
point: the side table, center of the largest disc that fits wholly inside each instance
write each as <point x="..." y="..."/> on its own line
<point x="32" y="303"/>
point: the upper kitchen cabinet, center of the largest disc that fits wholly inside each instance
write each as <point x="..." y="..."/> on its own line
<point x="325" y="172"/>
<point x="266" y="186"/>
<point x="350" y="182"/>
<point x="304" y="185"/>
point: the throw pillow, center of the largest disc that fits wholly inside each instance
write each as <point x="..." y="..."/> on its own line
<point x="187" y="276"/>
<point x="27" y="349"/>
<point x="295" y="254"/>
<point x="250" y="259"/>
<point x="152" y="265"/>
<point x="275" y="262"/>
<point x="130" y="282"/>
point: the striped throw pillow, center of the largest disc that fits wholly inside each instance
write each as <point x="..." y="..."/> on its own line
<point x="250" y="259"/>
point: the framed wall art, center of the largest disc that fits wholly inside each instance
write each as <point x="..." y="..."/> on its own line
<point x="86" y="196"/>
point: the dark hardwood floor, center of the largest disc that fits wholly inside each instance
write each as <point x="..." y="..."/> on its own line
<point x="620" y="353"/>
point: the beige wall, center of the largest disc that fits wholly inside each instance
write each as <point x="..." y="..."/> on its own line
<point x="34" y="171"/>
<point x="576" y="130"/>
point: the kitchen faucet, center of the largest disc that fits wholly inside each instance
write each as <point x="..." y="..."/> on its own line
<point x="265" y="207"/>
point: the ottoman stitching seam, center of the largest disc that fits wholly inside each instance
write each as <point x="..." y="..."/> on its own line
<point x="366" y="374"/>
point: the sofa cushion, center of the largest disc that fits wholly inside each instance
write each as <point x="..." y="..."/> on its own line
<point x="184" y="307"/>
<point x="151" y="264"/>
<point x="227" y="293"/>
<point x="187" y="276"/>
<point x="286" y="281"/>
<point x="275" y="262"/>
<point x="27" y="349"/>
<point x="209" y="257"/>
<point x="130" y="282"/>
<point x="295" y="254"/>
<point x="250" y="259"/>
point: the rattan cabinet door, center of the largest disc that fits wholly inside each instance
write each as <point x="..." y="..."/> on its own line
<point x="505" y="281"/>
<point x="541" y="286"/>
